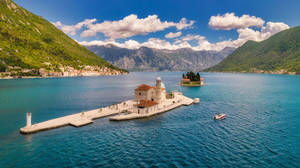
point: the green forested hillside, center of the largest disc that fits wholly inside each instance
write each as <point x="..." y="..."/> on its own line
<point x="28" y="41"/>
<point x="279" y="54"/>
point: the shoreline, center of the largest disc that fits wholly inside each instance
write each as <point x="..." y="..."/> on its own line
<point x="235" y="72"/>
<point x="126" y="73"/>
<point x="191" y="85"/>
<point x="46" y="77"/>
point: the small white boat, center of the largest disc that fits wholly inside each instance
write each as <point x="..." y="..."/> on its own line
<point x="196" y="100"/>
<point x="219" y="116"/>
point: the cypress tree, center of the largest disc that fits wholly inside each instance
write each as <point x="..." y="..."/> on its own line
<point x="198" y="76"/>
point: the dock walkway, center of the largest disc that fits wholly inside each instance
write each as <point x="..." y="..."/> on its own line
<point x="79" y="119"/>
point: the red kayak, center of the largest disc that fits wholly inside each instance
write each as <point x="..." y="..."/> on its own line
<point x="219" y="116"/>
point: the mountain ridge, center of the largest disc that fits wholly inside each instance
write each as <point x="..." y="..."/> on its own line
<point x="151" y="59"/>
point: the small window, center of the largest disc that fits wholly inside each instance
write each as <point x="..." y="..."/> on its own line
<point x="140" y="93"/>
<point x="152" y="99"/>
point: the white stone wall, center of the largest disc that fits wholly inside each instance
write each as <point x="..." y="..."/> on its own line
<point x="146" y="110"/>
<point x="144" y="95"/>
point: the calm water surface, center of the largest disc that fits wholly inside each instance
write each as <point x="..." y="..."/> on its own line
<point x="262" y="128"/>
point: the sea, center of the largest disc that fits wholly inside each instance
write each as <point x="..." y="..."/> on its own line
<point x="262" y="127"/>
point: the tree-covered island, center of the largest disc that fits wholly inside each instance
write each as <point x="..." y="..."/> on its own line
<point x="191" y="79"/>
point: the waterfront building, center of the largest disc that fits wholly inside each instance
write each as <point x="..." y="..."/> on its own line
<point x="149" y="97"/>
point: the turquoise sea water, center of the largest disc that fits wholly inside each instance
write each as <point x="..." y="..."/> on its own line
<point x="262" y="128"/>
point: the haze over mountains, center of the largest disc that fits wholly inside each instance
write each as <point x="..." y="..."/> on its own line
<point x="150" y="59"/>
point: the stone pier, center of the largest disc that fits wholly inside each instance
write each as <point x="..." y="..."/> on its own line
<point x="76" y="120"/>
<point x="123" y="111"/>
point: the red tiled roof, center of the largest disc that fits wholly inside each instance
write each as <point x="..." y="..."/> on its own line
<point x="146" y="103"/>
<point x="185" y="80"/>
<point x="160" y="88"/>
<point x="143" y="87"/>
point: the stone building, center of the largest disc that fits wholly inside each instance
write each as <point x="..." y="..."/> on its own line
<point x="149" y="97"/>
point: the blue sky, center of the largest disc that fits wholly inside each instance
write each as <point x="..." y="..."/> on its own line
<point x="71" y="12"/>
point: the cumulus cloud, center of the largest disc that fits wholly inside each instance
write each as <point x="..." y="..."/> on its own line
<point x="57" y="24"/>
<point x="267" y="31"/>
<point x="130" y="44"/>
<point x="274" y="27"/>
<point x="184" y="23"/>
<point x="72" y="29"/>
<point x="132" y="25"/>
<point x="229" y="21"/>
<point x="202" y="43"/>
<point x="127" y="27"/>
<point x="173" y="35"/>
<point x="151" y="43"/>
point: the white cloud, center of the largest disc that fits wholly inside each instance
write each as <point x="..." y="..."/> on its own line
<point x="245" y="34"/>
<point x="184" y="23"/>
<point x="267" y="31"/>
<point x="190" y="37"/>
<point x="72" y="29"/>
<point x="130" y="44"/>
<point x="57" y="24"/>
<point x="132" y="25"/>
<point x="173" y="35"/>
<point x="274" y="27"/>
<point x="229" y="21"/>
<point x="127" y="27"/>
<point x="151" y="43"/>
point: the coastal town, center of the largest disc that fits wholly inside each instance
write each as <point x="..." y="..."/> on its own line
<point x="148" y="101"/>
<point x="67" y="71"/>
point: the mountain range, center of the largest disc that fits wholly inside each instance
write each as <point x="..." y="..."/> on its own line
<point x="279" y="54"/>
<point x="150" y="59"/>
<point x="32" y="46"/>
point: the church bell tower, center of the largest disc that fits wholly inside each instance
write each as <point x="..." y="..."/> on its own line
<point x="158" y="89"/>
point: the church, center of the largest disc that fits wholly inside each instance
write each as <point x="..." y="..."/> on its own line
<point x="148" y="97"/>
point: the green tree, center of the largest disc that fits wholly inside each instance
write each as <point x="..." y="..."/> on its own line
<point x="198" y="76"/>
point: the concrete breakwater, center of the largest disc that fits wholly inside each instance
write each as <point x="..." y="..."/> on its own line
<point x="79" y="119"/>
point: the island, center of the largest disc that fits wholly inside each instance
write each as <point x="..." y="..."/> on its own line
<point x="148" y="101"/>
<point x="191" y="79"/>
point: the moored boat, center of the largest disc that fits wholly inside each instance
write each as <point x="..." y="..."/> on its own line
<point x="196" y="100"/>
<point x="219" y="116"/>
